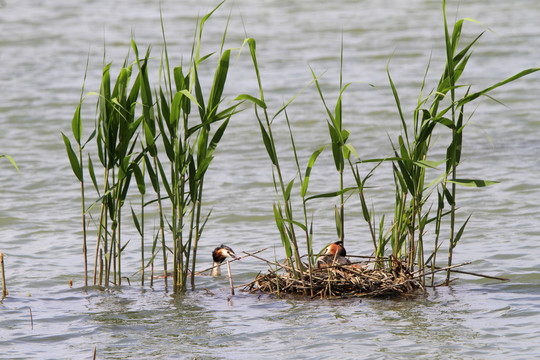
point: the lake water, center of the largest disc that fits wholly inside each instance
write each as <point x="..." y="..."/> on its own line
<point x="43" y="52"/>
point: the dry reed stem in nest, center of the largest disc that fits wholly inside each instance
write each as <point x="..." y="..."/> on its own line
<point x="341" y="281"/>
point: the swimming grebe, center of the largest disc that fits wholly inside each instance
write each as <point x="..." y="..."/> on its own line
<point x="333" y="255"/>
<point x="219" y="255"/>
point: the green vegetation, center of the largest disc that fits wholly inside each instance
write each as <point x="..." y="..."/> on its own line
<point x="168" y="134"/>
<point x="2" y="270"/>
<point x="11" y="161"/>
<point x="406" y="237"/>
<point x="136" y="123"/>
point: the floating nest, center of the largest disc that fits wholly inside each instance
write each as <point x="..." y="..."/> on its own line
<point x="339" y="281"/>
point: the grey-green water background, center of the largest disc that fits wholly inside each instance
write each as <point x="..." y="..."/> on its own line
<point x="43" y="51"/>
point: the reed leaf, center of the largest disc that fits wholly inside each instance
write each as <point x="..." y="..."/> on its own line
<point x="217" y="136"/>
<point x="337" y="218"/>
<point x="427" y="164"/>
<point x="297" y="223"/>
<point x="397" y="101"/>
<point x="253" y="50"/>
<point x="219" y="83"/>
<point x="331" y="194"/>
<point x="253" y="99"/>
<point x="11" y="161"/>
<point x="460" y="232"/>
<point x="268" y="143"/>
<point x="288" y="190"/>
<point x="76" y="125"/>
<point x="73" y="159"/>
<point x="136" y="221"/>
<point x="203" y="166"/>
<point x="307" y="174"/>
<point x="139" y="177"/>
<point x="92" y="174"/>
<point x="473" y="182"/>
<point x="284" y="238"/>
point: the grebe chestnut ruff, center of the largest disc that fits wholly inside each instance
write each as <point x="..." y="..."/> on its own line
<point x="219" y="255"/>
<point x="333" y="255"/>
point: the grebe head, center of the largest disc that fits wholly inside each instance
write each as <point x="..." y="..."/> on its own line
<point x="222" y="252"/>
<point x="336" y="249"/>
<point x="333" y="255"/>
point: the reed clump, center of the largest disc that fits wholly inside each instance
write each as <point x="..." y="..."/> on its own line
<point x="165" y="134"/>
<point x="425" y="217"/>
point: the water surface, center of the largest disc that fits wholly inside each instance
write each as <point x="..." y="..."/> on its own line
<point x="43" y="52"/>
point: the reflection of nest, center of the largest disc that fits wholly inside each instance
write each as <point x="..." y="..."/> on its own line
<point x="339" y="281"/>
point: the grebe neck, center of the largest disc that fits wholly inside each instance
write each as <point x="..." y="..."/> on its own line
<point x="216" y="270"/>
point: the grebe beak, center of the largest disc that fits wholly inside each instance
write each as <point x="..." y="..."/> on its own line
<point x="222" y="252"/>
<point x="231" y="254"/>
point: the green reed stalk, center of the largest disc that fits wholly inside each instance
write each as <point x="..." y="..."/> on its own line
<point x="101" y="240"/>
<point x="287" y="232"/>
<point x="116" y="139"/>
<point x="188" y="147"/>
<point x="161" y="232"/>
<point x="378" y="247"/>
<point x="148" y="143"/>
<point x="450" y="48"/>
<point x="139" y="225"/>
<point x="305" y="182"/>
<point x="77" y="166"/>
<point x="440" y="207"/>
<point x="142" y="239"/>
<point x="339" y="138"/>
<point x="411" y="156"/>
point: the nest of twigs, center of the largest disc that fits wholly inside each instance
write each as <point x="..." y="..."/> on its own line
<point x="339" y="281"/>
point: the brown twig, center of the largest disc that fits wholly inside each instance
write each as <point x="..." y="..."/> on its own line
<point x="31" y="318"/>
<point x="283" y="266"/>
<point x="4" y="288"/>
<point x="420" y="274"/>
<point x="208" y="291"/>
<point x="476" y="274"/>
<point x="230" y="277"/>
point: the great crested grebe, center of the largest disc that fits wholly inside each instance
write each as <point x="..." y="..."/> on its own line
<point x="219" y="255"/>
<point x="333" y="255"/>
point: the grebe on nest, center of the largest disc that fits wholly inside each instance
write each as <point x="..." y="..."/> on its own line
<point x="219" y="255"/>
<point x="333" y="255"/>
